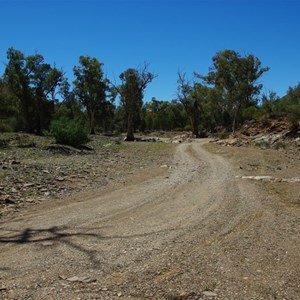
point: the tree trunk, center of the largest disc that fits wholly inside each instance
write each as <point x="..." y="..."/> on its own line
<point x="194" y="117"/>
<point x="92" y="121"/>
<point x="195" y="126"/>
<point x="235" y="117"/>
<point x="130" y="128"/>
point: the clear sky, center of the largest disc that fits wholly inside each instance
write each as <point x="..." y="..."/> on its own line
<point x="170" y="35"/>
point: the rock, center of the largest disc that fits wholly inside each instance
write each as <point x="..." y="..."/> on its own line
<point x="47" y="243"/>
<point x="88" y="279"/>
<point x="7" y="200"/>
<point x="263" y="178"/>
<point x="271" y="178"/>
<point x="81" y="279"/>
<point x="148" y="139"/>
<point x="2" y="288"/>
<point x="295" y="179"/>
<point x="60" y="179"/>
<point x="30" y="200"/>
<point x="26" y="185"/>
<point x="73" y="279"/>
<point x="209" y="294"/>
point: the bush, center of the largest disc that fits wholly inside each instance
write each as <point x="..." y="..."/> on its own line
<point x="4" y="127"/>
<point x="262" y="144"/>
<point x="260" y="114"/>
<point x="8" y="125"/>
<point x="223" y="135"/>
<point x="69" y="132"/>
<point x="280" y="145"/>
<point x="188" y="127"/>
<point x="249" y="112"/>
<point x="293" y="113"/>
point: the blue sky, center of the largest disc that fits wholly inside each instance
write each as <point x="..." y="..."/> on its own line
<point x="170" y="35"/>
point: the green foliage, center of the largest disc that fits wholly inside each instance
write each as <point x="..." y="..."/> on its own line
<point x="236" y="79"/>
<point x="291" y="104"/>
<point x="131" y="91"/>
<point x="249" y="112"/>
<point x="223" y="135"/>
<point x="90" y="87"/>
<point x="34" y="84"/>
<point x="222" y="100"/>
<point x="163" y="115"/>
<point x="187" y="127"/>
<point x="286" y="107"/>
<point x="4" y="127"/>
<point x="262" y="144"/>
<point x="69" y="132"/>
<point x="191" y="96"/>
<point x="260" y="113"/>
<point x="280" y="145"/>
<point x="62" y="111"/>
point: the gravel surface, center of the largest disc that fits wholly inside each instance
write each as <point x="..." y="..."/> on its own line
<point x="191" y="229"/>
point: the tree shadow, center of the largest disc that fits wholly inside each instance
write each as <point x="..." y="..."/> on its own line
<point x="64" y="235"/>
<point x="53" y="234"/>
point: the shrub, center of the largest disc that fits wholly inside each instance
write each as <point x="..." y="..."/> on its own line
<point x="4" y="127"/>
<point x="223" y="135"/>
<point x="262" y="144"/>
<point x="188" y="127"/>
<point x="69" y="132"/>
<point x="249" y="112"/>
<point x="280" y="145"/>
<point x="260" y="114"/>
<point x="293" y="113"/>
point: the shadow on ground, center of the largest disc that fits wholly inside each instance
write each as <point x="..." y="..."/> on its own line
<point x="72" y="238"/>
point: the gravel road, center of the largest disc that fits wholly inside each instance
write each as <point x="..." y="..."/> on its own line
<point x="191" y="230"/>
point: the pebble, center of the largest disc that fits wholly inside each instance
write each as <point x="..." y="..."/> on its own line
<point x="209" y="294"/>
<point x="47" y="243"/>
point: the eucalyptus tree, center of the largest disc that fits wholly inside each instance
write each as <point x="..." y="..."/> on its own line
<point x="158" y="115"/>
<point x="236" y="78"/>
<point x="131" y="91"/>
<point x="189" y="96"/>
<point x="35" y="84"/>
<point x="290" y="105"/>
<point x="90" y="87"/>
<point x="8" y="105"/>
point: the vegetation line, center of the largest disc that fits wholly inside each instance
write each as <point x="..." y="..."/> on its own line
<point x="36" y="97"/>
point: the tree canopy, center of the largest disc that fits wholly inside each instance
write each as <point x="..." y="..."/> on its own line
<point x="131" y="91"/>
<point x="33" y="94"/>
<point x="34" y="85"/>
<point x="236" y="79"/>
<point x="90" y="87"/>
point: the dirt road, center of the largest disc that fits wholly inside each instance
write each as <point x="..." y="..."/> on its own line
<point x="191" y="230"/>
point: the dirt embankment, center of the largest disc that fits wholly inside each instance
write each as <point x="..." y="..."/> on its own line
<point x="189" y="229"/>
<point x="266" y="134"/>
